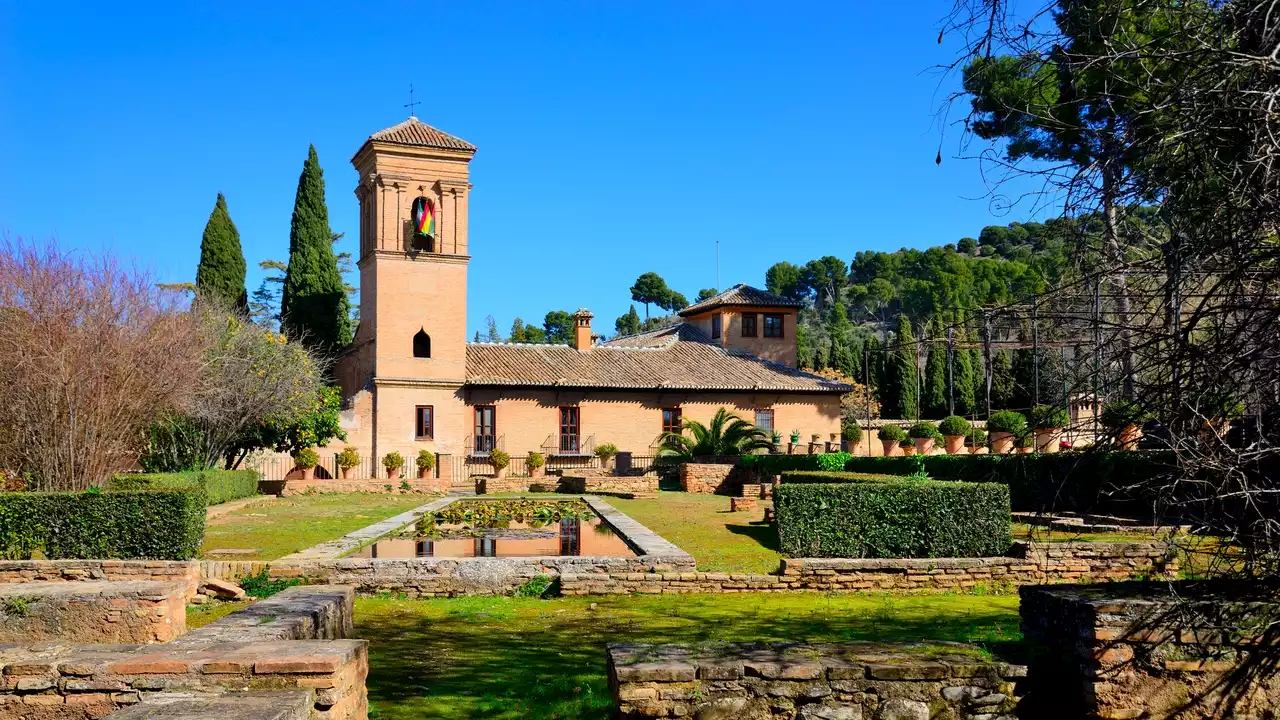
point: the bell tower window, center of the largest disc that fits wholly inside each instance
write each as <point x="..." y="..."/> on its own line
<point x="422" y="344"/>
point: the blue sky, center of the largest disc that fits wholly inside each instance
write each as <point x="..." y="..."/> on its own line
<point x="614" y="137"/>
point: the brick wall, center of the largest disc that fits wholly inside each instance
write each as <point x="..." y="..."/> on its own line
<point x="95" y="611"/>
<point x="707" y="478"/>
<point x="836" y="681"/>
<point x="424" y="486"/>
<point x="571" y="482"/>
<point x="24" y="571"/>
<point x="1152" y="650"/>
<point x="1060" y="562"/>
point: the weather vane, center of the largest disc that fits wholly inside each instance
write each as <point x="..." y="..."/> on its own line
<point x="411" y="102"/>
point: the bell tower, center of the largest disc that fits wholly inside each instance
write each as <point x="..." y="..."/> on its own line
<point x="413" y="189"/>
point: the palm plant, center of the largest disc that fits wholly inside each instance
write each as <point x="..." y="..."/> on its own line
<point x="727" y="435"/>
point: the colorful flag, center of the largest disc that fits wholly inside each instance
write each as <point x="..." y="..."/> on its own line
<point x="424" y="216"/>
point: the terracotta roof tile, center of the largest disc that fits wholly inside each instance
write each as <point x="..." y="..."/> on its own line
<point x="415" y="132"/>
<point x="672" y="358"/>
<point x="740" y="294"/>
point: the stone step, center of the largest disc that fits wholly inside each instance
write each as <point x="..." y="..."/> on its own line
<point x="275" y="705"/>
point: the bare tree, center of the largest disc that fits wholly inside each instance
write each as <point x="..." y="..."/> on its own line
<point x="92" y="353"/>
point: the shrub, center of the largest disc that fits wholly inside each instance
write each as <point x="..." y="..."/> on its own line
<point x="499" y="459"/>
<point x="770" y="465"/>
<point x="923" y="431"/>
<point x="152" y="524"/>
<point x="1048" y="416"/>
<point x="1123" y="413"/>
<point x="832" y="461"/>
<point x="890" y="433"/>
<point x="813" y="477"/>
<point x="306" y="458"/>
<point x="954" y="425"/>
<point x="426" y="459"/>
<point x="1006" y="421"/>
<point x="262" y="586"/>
<point x="975" y="437"/>
<point x="219" y="486"/>
<point x="1083" y="482"/>
<point x="348" y="458"/>
<point x="392" y="460"/>
<point x="534" y="460"/>
<point x="606" y="451"/>
<point x="851" y="432"/>
<point x="868" y="518"/>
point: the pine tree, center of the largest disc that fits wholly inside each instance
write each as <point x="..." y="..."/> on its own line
<point x="221" y="270"/>
<point x="935" y="375"/>
<point x="901" y="373"/>
<point x="314" y="305"/>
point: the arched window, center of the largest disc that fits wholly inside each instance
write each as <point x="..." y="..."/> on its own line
<point x="422" y="344"/>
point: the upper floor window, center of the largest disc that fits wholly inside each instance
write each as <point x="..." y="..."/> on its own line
<point x="671" y="421"/>
<point x="764" y="420"/>
<point x="715" y="326"/>
<point x="773" y="325"/>
<point x="748" y="324"/>
<point x="422" y="344"/>
<point x="425" y="422"/>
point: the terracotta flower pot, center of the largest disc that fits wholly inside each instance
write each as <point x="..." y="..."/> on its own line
<point x="924" y="445"/>
<point x="424" y="472"/>
<point x="909" y="450"/>
<point x="890" y="447"/>
<point x="1128" y="438"/>
<point x="954" y="444"/>
<point x="500" y="473"/>
<point x="308" y="473"/>
<point x="1047" y="439"/>
<point x="1024" y="450"/>
<point x="539" y="471"/>
<point x="346" y="472"/>
<point x="1001" y="442"/>
<point x="393" y="473"/>
<point x="974" y="449"/>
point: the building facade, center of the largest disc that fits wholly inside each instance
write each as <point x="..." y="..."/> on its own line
<point x="412" y="382"/>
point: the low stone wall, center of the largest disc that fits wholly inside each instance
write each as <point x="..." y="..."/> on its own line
<point x="263" y="705"/>
<point x="572" y="482"/>
<point x="1047" y="563"/>
<point x="99" y="611"/>
<point x="839" y="681"/>
<point x="312" y="612"/>
<point x="26" y="571"/>
<point x="514" y="484"/>
<point x="286" y="488"/>
<point x="1153" y="650"/>
<point x="708" y="478"/>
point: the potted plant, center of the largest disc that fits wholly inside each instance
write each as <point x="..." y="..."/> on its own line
<point x="500" y="460"/>
<point x="1125" y="418"/>
<point x="975" y="440"/>
<point x="954" y="429"/>
<point x="924" y="434"/>
<point x="393" y="461"/>
<point x="851" y="433"/>
<point x="1002" y="428"/>
<point x="1025" y="441"/>
<point x="908" y="446"/>
<point x="348" y="459"/>
<point x="535" y="463"/>
<point x="890" y="436"/>
<point x="606" y="452"/>
<point x="776" y="439"/>
<point x="306" y="460"/>
<point x="1048" y="422"/>
<point x="795" y="440"/>
<point x="426" y="463"/>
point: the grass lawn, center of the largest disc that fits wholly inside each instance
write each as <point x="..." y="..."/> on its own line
<point x="286" y="525"/>
<point x="525" y="658"/>
<point x="720" y="541"/>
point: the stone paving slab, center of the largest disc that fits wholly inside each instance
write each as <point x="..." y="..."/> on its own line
<point x="279" y="705"/>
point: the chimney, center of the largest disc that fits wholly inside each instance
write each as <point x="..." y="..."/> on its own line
<point x="582" y="329"/>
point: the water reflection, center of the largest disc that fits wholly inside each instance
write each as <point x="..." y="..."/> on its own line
<point x="567" y="537"/>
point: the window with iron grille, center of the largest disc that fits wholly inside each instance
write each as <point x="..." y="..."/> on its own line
<point x="485" y="429"/>
<point x="569" y="430"/>
<point x="764" y="420"/>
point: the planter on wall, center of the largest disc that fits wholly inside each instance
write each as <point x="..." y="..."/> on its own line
<point x="500" y="473"/>
<point x="1047" y="439"/>
<point x="539" y="471"/>
<point x="346" y="472"/>
<point x="1024" y="450"/>
<point x="393" y="473"/>
<point x="890" y="448"/>
<point x="924" y="445"/>
<point x="308" y="473"/>
<point x="424" y="473"/>
<point x="909" y="450"/>
<point x="954" y="444"/>
<point x="1001" y="442"/>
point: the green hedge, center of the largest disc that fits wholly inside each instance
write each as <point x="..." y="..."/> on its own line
<point x="770" y="465"/>
<point x="868" y="518"/>
<point x="218" y="485"/>
<point x="152" y="525"/>
<point x="810" y="477"/>
<point x="1098" y="482"/>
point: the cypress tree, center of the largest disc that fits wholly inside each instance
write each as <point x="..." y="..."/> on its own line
<point x="901" y="373"/>
<point x="979" y="363"/>
<point x="314" y="305"/>
<point x="221" y="270"/>
<point x="1002" y="382"/>
<point x="963" y="377"/>
<point x="935" y="374"/>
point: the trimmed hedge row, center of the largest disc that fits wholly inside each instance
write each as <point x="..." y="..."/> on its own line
<point x="860" y="517"/>
<point x="219" y="486"/>
<point x="1094" y="482"/>
<point x="770" y="465"/>
<point x="151" y="525"/>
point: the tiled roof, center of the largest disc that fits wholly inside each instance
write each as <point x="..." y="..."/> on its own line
<point x="675" y="358"/>
<point x="415" y="132"/>
<point x="740" y="295"/>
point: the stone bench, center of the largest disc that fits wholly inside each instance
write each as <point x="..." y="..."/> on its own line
<point x="306" y="612"/>
<point x="95" y="611"/>
<point x="833" y="681"/>
<point x="278" y="705"/>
